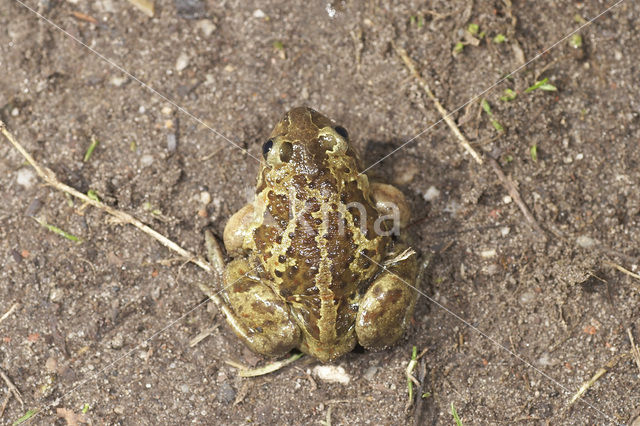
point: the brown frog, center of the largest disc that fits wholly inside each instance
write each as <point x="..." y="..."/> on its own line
<point x="316" y="266"/>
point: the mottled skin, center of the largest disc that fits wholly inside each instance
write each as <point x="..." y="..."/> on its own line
<point x="307" y="264"/>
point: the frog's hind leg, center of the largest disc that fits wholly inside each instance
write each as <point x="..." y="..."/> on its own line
<point x="253" y="311"/>
<point x="386" y="308"/>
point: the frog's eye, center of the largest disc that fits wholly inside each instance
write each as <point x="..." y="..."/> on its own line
<point x="286" y="151"/>
<point x="341" y="131"/>
<point x="266" y="147"/>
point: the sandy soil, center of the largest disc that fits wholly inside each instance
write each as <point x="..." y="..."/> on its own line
<point x="515" y="320"/>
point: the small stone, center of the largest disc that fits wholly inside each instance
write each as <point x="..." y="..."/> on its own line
<point x="370" y="372"/>
<point x="452" y="207"/>
<point x="117" y="341"/>
<point x="488" y="253"/>
<point x="26" y="177"/>
<point x="146" y="160"/>
<point x="527" y="297"/>
<point x="206" y="26"/>
<point x="118" y="410"/>
<point x="172" y="142"/>
<point x="56" y="295"/>
<point x="504" y="231"/>
<point x="259" y="14"/>
<point x="507" y="199"/>
<point x="226" y="394"/>
<point x="191" y="9"/>
<point x="184" y="388"/>
<point x="182" y="62"/>
<point x="431" y="194"/>
<point x="617" y="55"/>
<point x="205" y="197"/>
<point x="15" y="112"/>
<point x="51" y="364"/>
<point x="579" y="156"/>
<point x="585" y="241"/>
<point x="332" y="374"/>
<point x="119" y="80"/>
<point x="142" y="109"/>
<point x="404" y="173"/>
<point x="166" y="110"/>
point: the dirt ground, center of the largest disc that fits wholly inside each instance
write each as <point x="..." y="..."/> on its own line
<point x="515" y="320"/>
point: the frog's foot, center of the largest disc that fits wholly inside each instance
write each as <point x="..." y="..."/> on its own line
<point x="386" y="308"/>
<point x="236" y="229"/>
<point x="390" y="202"/>
<point x="255" y="313"/>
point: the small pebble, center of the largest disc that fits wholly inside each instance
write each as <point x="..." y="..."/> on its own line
<point x="404" y="173"/>
<point x="34" y="207"/>
<point x="182" y="62"/>
<point x="507" y="199"/>
<point x="370" y="372"/>
<point x="166" y="110"/>
<point x="26" y="177"/>
<point x="15" y="112"/>
<point x="142" y="109"/>
<point x="51" y="364"/>
<point x="226" y="394"/>
<point x="585" y="241"/>
<point x="146" y="160"/>
<point x="488" y="253"/>
<point x="505" y="231"/>
<point x="431" y="194"/>
<point x="259" y="14"/>
<point x="331" y="374"/>
<point x="206" y="26"/>
<point x="205" y="197"/>
<point x="579" y="156"/>
<point x="117" y="341"/>
<point x="119" y="80"/>
<point x="184" y="388"/>
<point x="172" y="142"/>
<point x="527" y="297"/>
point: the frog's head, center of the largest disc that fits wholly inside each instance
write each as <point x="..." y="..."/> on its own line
<point x="305" y="143"/>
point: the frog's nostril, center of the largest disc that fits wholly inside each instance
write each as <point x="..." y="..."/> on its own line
<point x="266" y="147"/>
<point x="286" y="151"/>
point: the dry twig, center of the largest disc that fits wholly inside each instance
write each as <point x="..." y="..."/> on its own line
<point x="443" y="112"/>
<point x="446" y="116"/>
<point x="601" y="372"/>
<point x="9" y="312"/>
<point x="12" y="388"/>
<point x="51" y="179"/>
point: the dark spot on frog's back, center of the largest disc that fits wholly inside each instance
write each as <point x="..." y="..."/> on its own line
<point x="263" y="308"/>
<point x="389" y="296"/>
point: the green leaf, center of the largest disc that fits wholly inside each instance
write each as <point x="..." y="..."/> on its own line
<point x="458" y="47"/>
<point x="58" y="231"/>
<point x="93" y="195"/>
<point x="500" y="38"/>
<point x="85" y="408"/>
<point x="497" y="125"/>
<point x="509" y="95"/>
<point x="24" y="418"/>
<point x="278" y="45"/>
<point x="473" y="29"/>
<point x="575" y="41"/>
<point x="542" y="85"/>
<point x="486" y="107"/>
<point x="92" y="147"/>
<point x="534" y="152"/>
<point x="454" y="413"/>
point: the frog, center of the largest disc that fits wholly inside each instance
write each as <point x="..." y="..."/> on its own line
<point x="316" y="264"/>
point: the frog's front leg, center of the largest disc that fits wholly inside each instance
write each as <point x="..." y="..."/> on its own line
<point x="253" y="311"/>
<point x="387" y="306"/>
